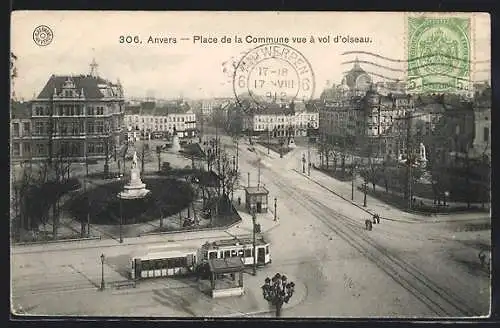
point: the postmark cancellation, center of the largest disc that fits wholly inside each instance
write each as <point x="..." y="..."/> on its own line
<point x="273" y="73"/>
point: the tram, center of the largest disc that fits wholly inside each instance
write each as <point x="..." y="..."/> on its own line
<point x="163" y="262"/>
<point x="238" y="247"/>
<point x="174" y="260"/>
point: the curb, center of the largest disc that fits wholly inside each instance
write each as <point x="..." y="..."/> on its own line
<point x="347" y="200"/>
<point x="57" y="241"/>
<point x="221" y="228"/>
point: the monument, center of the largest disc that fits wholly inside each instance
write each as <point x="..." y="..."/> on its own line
<point x="422" y="153"/>
<point x="135" y="188"/>
<point x="176" y="146"/>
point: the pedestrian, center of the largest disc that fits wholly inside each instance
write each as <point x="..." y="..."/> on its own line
<point x="368" y="225"/>
<point x="239" y="201"/>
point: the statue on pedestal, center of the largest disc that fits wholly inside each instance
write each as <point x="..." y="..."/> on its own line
<point x="423" y="156"/>
<point x="134" y="160"/>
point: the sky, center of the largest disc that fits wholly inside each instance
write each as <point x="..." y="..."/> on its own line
<point x="203" y="70"/>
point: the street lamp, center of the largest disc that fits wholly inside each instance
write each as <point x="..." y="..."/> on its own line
<point x="254" y="219"/>
<point x="102" y="273"/>
<point x="278" y="291"/>
<point x="365" y="189"/>
<point x="353" y="176"/>
<point x="121" y="221"/>
<point x="275" y="213"/>
<point x="304" y="163"/>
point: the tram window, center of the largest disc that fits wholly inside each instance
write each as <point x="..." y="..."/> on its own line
<point x="164" y="264"/>
<point x="248" y="252"/>
<point x="212" y="255"/>
<point x="183" y="262"/>
<point x="227" y="254"/>
<point x="145" y="265"/>
<point x="170" y="263"/>
<point x="221" y="255"/>
<point x="234" y="253"/>
<point x="267" y="249"/>
<point x="205" y="255"/>
<point x="241" y="253"/>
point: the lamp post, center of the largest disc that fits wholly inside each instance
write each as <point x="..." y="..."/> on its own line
<point x="88" y="206"/>
<point x="365" y="189"/>
<point x="102" y="273"/>
<point x="275" y="213"/>
<point x="304" y="163"/>
<point x="278" y="291"/>
<point x="308" y="150"/>
<point x="254" y="219"/>
<point x="121" y="221"/>
<point x="353" y="176"/>
<point x="268" y="139"/>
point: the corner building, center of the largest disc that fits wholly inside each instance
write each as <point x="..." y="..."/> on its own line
<point x="77" y="117"/>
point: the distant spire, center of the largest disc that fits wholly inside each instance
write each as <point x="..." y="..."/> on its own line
<point x="93" y="68"/>
<point x="356" y="63"/>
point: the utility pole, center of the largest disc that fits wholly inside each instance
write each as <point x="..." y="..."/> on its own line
<point x="248" y="176"/>
<point x="268" y="139"/>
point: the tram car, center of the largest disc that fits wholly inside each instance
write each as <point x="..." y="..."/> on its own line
<point x="174" y="260"/>
<point x="238" y="247"/>
<point x="163" y="262"/>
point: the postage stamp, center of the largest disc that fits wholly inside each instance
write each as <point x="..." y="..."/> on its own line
<point x="273" y="73"/>
<point x="439" y="53"/>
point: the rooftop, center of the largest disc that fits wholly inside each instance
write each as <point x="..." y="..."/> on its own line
<point x="226" y="265"/>
<point x="257" y="190"/>
<point x="92" y="86"/>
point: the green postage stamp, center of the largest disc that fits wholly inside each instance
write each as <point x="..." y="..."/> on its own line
<point x="439" y="53"/>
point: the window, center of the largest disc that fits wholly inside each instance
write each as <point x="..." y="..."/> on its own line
<point x="64" y="128"/>
<point x="26" y="148"/>
<point x="99" y="126"/>
<point x="234" y="253"/>
<point x="75" y="129"/>
<point x="26" y="128"/>
<point x="145" y="265"/>
<point x="267" y="249"/>
<point x="227" y="254"/>
<point x="248" y="252"/>
<point x="486" y="134"/>
<point x="212" y="255"/>
<point x="100" y="110"/>
<point x="241" y="253"/>
<point x="75" y="149"/>
<point x="15" y="129"/>
<point x="39" y="111"/>
<point x="90" y="127"/>
<point x="65" y="148"/>
<point x="16" y="149"/>
<point x="41" y="149"/>
<point x="39" y="128"/>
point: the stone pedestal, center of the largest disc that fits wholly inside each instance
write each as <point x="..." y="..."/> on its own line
<point x="135" y="188"/>
<point x="176" y="146"/>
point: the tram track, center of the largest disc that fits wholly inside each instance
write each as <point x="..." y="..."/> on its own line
<point x="440" y="301"/>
